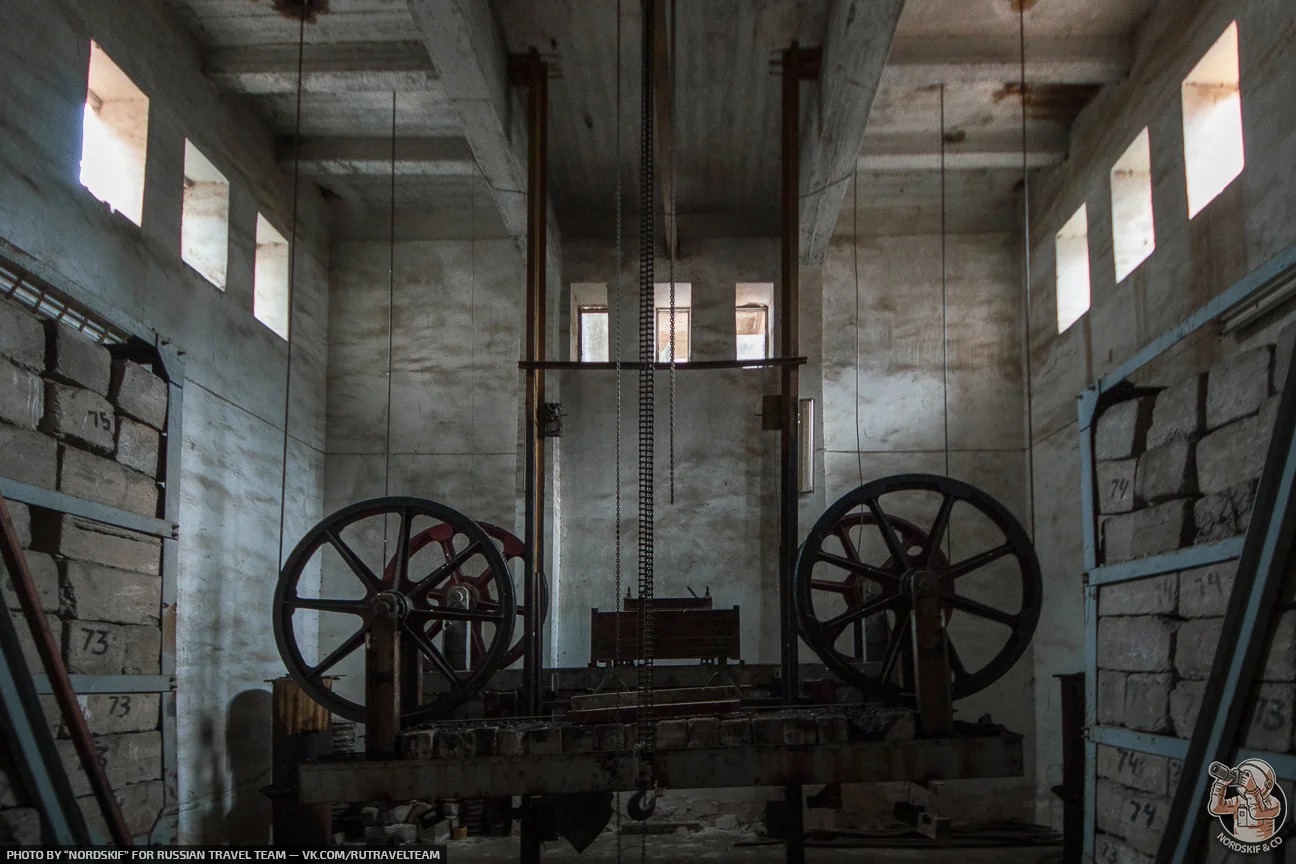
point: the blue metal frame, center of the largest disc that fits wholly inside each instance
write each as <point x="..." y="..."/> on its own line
<point x="1089" y="406"/>
<point x="1170" y="562"/>
<point x="1177" y="748"/>
<point x="32" y="745"/>
<point x="48" y="499"/>
<point x="171" y="360"/>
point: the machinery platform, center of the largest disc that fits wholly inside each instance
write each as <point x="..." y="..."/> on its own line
<point x="546" y="759"/>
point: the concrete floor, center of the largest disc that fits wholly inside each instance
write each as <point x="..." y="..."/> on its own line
<point x="712" y="845"/>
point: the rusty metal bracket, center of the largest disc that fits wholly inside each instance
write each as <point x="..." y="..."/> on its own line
<point x="551" y="420"/>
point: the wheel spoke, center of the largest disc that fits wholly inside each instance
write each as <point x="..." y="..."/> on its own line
<point x="337" y="654"/>
<point x="439" y="575"/>
<point x="898" y="553"/>
<point x="358" y="567"/>
<point x="980" y="610"/>
<point x="955" y="661"/>
<point x="449" y="613"/>
<point x="843" y="588"/>
<point x="402" y="548"/>
<point x="898" y="636"/>
<point x="937" y="534"/>
<point x="433" y="655"/>
<point x="843" y="534"/>
<point x="875" y="573"/>
<point x="347" y="607"/>
<point x="834" y="626"/>
<point x="976" y="562"/>
<point x="478" y="644"/>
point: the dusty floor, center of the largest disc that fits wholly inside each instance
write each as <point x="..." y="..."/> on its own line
<point x="715" y="845"/>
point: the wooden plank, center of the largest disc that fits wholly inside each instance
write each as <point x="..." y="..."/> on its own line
<point x="628" y="713"/>
<point x="666" y="696"/>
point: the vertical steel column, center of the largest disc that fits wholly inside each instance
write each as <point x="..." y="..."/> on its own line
<point x="1087" y="408"/>
<point x="789" y="412"/>
<point x="533" y="73"/>
<point x="168" y="825"/>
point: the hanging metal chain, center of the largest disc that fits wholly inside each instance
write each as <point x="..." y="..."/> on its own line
<point x="647" y="729"/>
<point x="616" y="594"/>
<point x="671" y="226"/>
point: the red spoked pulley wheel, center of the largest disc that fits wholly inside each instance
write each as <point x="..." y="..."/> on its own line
<point x="471" y="587"/>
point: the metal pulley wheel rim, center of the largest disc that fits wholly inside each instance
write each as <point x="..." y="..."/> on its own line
<point x="512" y="549"/>
<point x="895" y="575"/>
<point x="397" y="586"/>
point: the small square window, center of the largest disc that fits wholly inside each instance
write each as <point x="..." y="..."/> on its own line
<point x="592" y="335"/>
<point x="1133" y="223"/>
<point x="204" y="223"/>
<point x="1214" y="150"/>
<point x="1073" y="269"/>
<point x="753" y="302"/>
<point x="270" y="282"/>
<point x="114" y="139"/>
<point x="683" y="321"/>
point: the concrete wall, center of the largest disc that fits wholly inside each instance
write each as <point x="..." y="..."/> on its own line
<point x="919" y="361"/>
<point x="1194" y="260"/>
<point x="456" y="389"/>
<point x="722" y="530"/>
<point x="235" y="375"/>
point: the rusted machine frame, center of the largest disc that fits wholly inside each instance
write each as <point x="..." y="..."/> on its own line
<point x="931" y="658"/>
<point x="798" y="65"/>
<point x="530" y="71"/>
<point x="383" y="685"/>
<point x="47" y="649"/>
<point x="916" y="760"/>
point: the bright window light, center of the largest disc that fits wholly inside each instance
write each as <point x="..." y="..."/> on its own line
<point x="114" y="138"/>
<point x="204" y="223"/>
<point x="270" y="288"/>
<point x="753" y="317"/>
<point x="1073" y="269"/>
<point x="683" y="321"/>
<point x="1214" y="150"/>
<point x="593" y="335"/>
<point x="1133" y="225"/>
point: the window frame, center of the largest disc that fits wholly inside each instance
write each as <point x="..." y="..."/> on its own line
<point x="765" y="310"/>
<point x="591" y="309"/>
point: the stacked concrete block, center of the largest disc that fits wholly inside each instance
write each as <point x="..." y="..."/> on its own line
<point x="1194" y="483"/>
<point x="75" y="420"/>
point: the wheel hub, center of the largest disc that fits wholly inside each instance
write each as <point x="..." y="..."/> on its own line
<point x="389" y="604"/>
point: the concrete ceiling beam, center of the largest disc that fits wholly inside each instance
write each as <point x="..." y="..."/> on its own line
<point x="974" y="60"/>
<point x="347" y="67"/>
<point x="468" y="49"/>
<point x="364" y="157"/>
<point x="857" y="40"/>
<point x="1046" y="144"/>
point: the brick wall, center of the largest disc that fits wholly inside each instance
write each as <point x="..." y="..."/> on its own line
<point x="76" y="419"/>
<point x="1176" y="469"/>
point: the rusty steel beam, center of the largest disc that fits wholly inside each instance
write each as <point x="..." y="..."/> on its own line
<point x="918" y="760"/>
<point x="664" y="149"/>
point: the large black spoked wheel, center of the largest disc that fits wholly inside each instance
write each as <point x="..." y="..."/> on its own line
<point x="335" y="580"/>
<point x="860" y="561"/>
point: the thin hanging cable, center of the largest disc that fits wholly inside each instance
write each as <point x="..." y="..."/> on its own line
<point x="944" y="226"/>
<point x="616" y="595"/>
<point x="672" y="227"/>
<point x="944" y="285"/>
<point x="292" y="277"/>
<point x="391" y="312"/>
<point x="472" y="326"/>
<point x="859" y="442"/>
<point x="1026" y="274"/>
